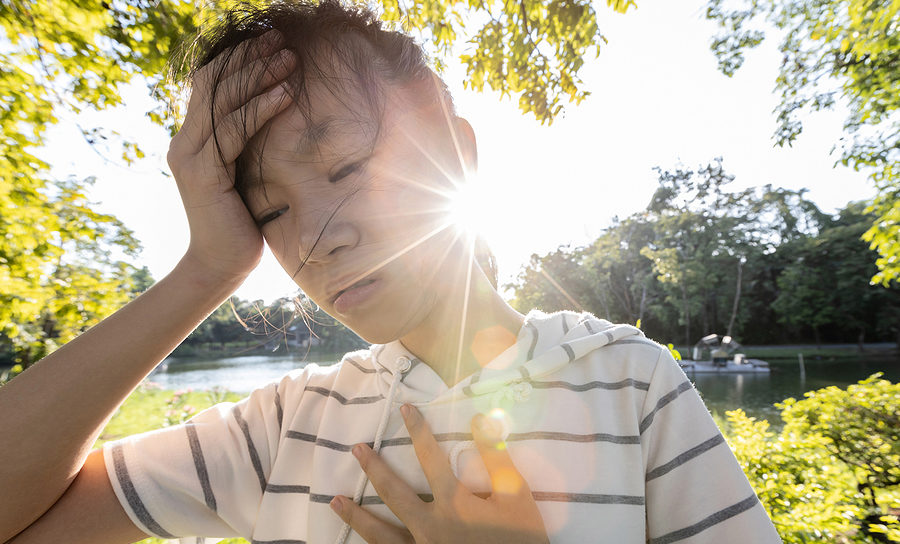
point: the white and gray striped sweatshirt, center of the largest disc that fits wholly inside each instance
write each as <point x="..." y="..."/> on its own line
<point x="605" y="427"/>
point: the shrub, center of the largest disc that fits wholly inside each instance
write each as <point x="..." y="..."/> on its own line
<point x="833" y="473"/>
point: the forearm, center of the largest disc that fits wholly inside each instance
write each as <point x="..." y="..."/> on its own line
<point x="55" y="410"/>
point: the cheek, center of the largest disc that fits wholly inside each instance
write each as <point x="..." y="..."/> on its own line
<point x="284" y="246"/>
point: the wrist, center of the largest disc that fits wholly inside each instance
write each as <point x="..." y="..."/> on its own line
<point x="196" y="273"/>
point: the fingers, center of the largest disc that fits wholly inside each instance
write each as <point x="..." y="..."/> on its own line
<point x="434" y="461"/>
<point x="232" y="94"/>
<point x="396" y="494"/>
<point x="231" y="60"/>
<point x="242" y="124"/>
<point x="370" y="527"/>
<point x="506" y="481"/>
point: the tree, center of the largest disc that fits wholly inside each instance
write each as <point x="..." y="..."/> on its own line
<point x="555" y="281"/>
<point x="61" y="269"/>
<point x="704" y="235"/>
<point x="823" y="282"/>
<point x="624" y="277"/>
<point x="702" y="259"/>
<point x="835" y="52"/>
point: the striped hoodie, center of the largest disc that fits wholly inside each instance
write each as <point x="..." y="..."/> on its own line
<point x="605" y="427"/>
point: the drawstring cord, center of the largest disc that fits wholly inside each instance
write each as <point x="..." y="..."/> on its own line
<point x="403" y="365"/>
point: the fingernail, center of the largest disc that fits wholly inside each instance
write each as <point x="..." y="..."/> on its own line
<point x="357" y="451"/>
<point x="404" y="411"/>
<point x="336" y="505"/>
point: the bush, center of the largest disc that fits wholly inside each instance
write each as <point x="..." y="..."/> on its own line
<point x="832" y="474"/>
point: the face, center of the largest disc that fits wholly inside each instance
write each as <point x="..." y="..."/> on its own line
<point x="356" y="210"/>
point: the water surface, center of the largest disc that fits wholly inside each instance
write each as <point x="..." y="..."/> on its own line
<point x="754" y="393"/>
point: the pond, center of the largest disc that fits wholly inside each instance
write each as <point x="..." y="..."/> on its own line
<point x="756" y="394"/>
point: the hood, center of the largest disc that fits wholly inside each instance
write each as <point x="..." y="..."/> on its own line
<point x="545" y="343"/>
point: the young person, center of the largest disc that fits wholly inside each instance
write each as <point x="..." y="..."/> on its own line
<point x="314" y="129"/>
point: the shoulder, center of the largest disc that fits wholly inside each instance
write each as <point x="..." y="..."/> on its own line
<point x="627" y="350"/>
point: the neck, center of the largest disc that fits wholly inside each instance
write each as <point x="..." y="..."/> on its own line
<point x="467" y="329"/>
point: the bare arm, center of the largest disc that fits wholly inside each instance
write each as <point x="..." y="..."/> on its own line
<point x="61" y="404"/>
<point x="88" y="513"/>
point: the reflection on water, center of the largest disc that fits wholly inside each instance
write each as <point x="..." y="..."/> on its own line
<point x="755" y="393"/>
<point x="238" y="374"/>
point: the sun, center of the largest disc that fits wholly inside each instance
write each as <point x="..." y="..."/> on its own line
<point x="470" y="209"/>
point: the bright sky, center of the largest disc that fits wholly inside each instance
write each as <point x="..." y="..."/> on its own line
<point x="657" y="100"/>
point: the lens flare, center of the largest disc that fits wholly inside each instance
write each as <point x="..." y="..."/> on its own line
<point x="469" y="208"/>
<point x="500" y="425"/>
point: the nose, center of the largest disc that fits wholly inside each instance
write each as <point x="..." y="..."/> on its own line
<point x="332" y="237"/>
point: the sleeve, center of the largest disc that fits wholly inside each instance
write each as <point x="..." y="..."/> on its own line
<point x="206" y="477"/>
<point x="695" y="489"/>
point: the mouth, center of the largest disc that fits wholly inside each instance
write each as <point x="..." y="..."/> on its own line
<point x="360" y="283"/>
<point x="357" y="294"/>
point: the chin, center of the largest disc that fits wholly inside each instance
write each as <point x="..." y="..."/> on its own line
<point x="382" y="327"/>
<point x="377" y="331"/>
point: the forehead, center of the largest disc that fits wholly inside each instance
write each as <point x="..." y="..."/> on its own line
<point x="336" y="119"/>
<point x="318" y="130"/>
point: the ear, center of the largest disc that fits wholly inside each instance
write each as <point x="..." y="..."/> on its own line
<point x="465" y="138"/>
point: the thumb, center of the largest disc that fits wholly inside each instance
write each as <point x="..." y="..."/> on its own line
<point x="489" y="439"/>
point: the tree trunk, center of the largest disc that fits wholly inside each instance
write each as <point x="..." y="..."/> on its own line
<point x="605" y="307"/>
<point x="705" y="329"/>
<point x="687" y="316"/>
<point x="737" y="298"/>
<point x="861" y="339"/>
<point x="643" y="302"/>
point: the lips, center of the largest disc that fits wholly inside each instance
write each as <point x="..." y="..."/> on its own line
<point x="355" y="295"/>
<point x="360" y="283"/>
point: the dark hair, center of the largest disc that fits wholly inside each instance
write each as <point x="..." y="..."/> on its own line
<point x="352" y="36"/>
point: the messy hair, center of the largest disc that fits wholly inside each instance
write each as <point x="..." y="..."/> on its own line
<point x="351" y="37"/>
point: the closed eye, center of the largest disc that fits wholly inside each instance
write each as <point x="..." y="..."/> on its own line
<point x="270" y="216"/>
<point x="345" y="171"/>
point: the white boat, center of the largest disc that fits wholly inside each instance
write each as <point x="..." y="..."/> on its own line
<point x="718" y="354"/>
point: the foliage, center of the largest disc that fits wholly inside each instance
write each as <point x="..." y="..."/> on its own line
<point x="10" y="373"/>
<point x="847" y="49"/>
<point x="833" y="472"/>
<point x="62" y="269"/>
<point x="837" y="292"/>
<point x="801" y="486"/>
<point x="702" y="259"/>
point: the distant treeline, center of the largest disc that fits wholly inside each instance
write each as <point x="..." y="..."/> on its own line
<point x="762" y="264"/>
<point x="287" y="325"/>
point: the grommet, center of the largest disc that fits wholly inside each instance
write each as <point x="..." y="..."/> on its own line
<point x="403" y="364"/>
